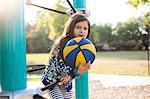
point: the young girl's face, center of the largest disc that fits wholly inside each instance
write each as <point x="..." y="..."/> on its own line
<point x="81" y="29"/>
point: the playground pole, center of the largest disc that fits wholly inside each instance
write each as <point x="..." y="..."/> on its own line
<point x="0" y="46"/>
<point x="12" y="46"/>
<point x="81" y="84"/>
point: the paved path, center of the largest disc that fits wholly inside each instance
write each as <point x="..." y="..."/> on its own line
<point x="117" y="80"/>
<point x="104" y="87"/>
<point x="107" y="80"/>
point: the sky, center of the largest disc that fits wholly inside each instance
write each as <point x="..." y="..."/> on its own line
<point x="110" y="11"/>
<point x="101" y="11"/>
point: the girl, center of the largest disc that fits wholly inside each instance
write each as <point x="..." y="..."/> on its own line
<point x="56" y="72"/>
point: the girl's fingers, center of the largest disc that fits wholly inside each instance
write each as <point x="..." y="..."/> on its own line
<point x="60" y="83"/>
<point x="62" y="78"/>
<point x="65" y="79"/>
<point x="80" y="65"/>
<point x="82" y="69"/>
<point x="89" y="65"/>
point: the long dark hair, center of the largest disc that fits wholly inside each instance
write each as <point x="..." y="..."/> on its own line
<point x="68" y="34"/>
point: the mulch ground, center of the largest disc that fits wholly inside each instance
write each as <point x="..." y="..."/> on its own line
<point x="98" y="91"/>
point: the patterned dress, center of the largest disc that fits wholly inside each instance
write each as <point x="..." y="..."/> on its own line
<point x="55" y="69"/>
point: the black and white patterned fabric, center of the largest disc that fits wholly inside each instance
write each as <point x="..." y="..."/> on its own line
<point x="55" y="70"/>
<point x="59" y="93"/>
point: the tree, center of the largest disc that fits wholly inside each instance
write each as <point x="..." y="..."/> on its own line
<point x="94" y="34"/>
<point x="49" y="25"/>
<point x="53" y="21"/>
<point x="136" y="3"/>
<point x="128" y="30"/>
<point x="36" y="40"/>
<point x="145" y="3"/>
<point x="101" y="35"/>
<point x="129" y="34"/>
<point x="105" y="33"/>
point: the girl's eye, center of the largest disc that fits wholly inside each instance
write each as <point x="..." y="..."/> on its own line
<point x="78" y="27"/>
<point x="85" y="28"/>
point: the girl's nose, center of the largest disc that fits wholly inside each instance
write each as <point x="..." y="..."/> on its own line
<point x="82" y="30"/>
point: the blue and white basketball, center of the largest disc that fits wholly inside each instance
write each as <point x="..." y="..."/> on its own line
<point x="79" y="50"/>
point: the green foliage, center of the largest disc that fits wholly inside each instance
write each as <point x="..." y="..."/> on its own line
<point x="136" y="3"/>
<point x="102" y="33"/>
<point x="53" y="21"/>
<point x="105" y="33"/>
<point x="94" y="34"/>
<point x="129" y="34"/>
<point x="125" y="36"/>
<point x="147" y="20"/>
<point x="56" y="21"/>
<point x="37" y="40"/>
<point x="49" y="25"/>
<point x="128" y="30"/>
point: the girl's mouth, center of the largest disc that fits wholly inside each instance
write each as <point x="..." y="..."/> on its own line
<point x="81" y="35"/>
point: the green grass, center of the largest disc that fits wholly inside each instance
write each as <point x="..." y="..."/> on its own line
<point x="130" y="55"/>
<point x="34" y="79"/>
<point x="37" y="58"/>
<point x="117" y="62"/>
<point x="40" y="58"/>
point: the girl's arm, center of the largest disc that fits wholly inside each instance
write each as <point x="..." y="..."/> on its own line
<point x="76" y="72"/>
<point x="82" y="69"/>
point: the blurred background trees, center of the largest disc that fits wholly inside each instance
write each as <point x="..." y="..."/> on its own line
<point x="123" y="36"/>
<point x="49" y="26"/>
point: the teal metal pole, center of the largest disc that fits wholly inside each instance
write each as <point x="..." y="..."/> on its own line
<point x="0" y="63"/>
<point x="13" y="49"/>
<point x="79" y="4"/>
<point x="81" y="87"/>
<point x="81" y="84"/>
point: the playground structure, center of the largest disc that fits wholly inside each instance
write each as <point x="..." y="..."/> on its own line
<point x="13" y="77"/>
<point x="12" y="52"/>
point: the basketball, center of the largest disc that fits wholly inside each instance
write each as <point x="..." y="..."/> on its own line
<point x="79" y="50"/>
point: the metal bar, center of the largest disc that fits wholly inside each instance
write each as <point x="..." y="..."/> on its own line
<point x="37" y="69"/>
<point x="48" y="8"/>
<point x="71" y="6"/>
<point x="35" y="65"/>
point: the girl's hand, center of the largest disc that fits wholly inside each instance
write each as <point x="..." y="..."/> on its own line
<point x="64" y="80"/>
<point x="82" y="69"/>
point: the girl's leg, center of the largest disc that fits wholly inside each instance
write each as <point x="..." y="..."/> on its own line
<point x="56" y="93"/>
<point x="66" y="94"/>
